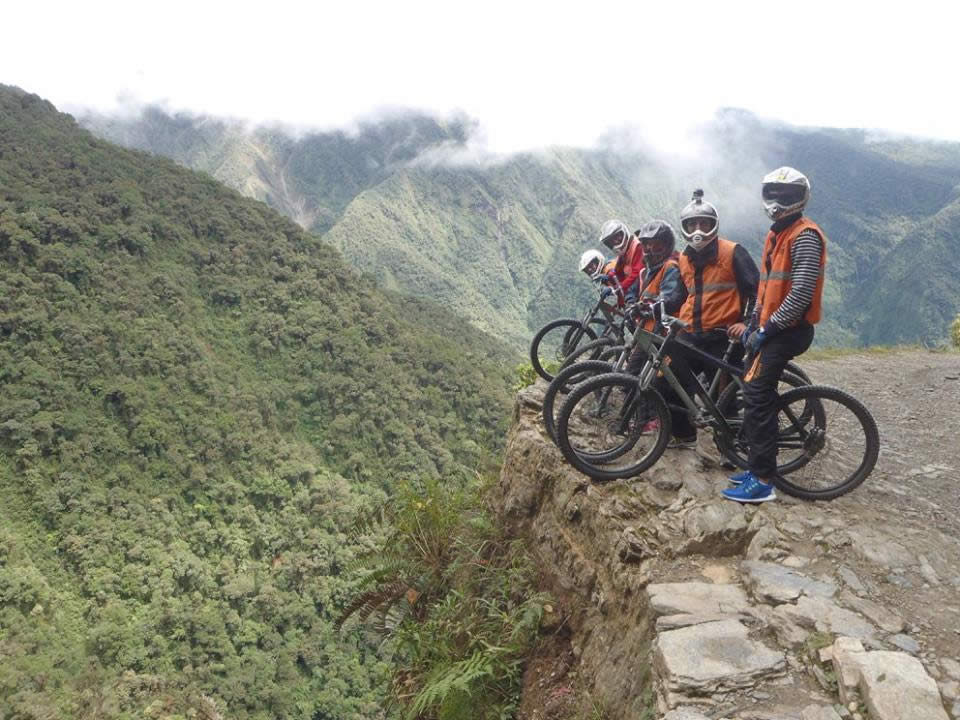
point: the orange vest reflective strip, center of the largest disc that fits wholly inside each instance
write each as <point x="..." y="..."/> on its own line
<point x="716" y="302"/>
<point x="776" y="267"/>
<point x="652" y="290"/>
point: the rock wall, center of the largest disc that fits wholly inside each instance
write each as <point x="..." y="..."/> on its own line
<point x="678" y="604"/>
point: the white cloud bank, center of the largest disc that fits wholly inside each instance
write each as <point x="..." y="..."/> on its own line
<point x="533" y="73"/>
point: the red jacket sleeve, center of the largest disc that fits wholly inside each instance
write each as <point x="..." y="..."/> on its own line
<point x="631" y="272"/>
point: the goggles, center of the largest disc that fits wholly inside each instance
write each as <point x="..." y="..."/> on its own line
<point x="784" y="194"/>
<point x="703" y="224"/>
<point x="615" y="240"/>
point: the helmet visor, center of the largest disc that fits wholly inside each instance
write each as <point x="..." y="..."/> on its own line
<point x="785" y="195"/>
<point x="592" y="267"/>
<point x="703" y="224"/>
<point x="615" y="239"/>
<point x="655" y="250"/>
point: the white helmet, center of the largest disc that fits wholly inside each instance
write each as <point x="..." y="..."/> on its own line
<point x="699" y="222"/>
<point x="592" y="262"/>
<point x="785" y="192"/>
<point x="615" y="235"/>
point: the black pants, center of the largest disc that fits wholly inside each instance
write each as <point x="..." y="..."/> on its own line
<point x="760" y="397"/>
<point x="686" y="368"/>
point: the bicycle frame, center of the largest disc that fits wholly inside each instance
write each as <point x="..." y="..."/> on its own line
<point x="611" y="315"/>
<point x="656" y="348"/>
<point x="656" y="365"/>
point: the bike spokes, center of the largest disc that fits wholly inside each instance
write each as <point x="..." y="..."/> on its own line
<point x="835" y="445"/>
<point x="608" y="429"/>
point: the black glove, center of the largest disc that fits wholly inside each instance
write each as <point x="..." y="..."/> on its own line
<point x="754" y="341"/>
<point x="640" y="311"/>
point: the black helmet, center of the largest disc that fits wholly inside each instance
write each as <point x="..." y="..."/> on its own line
<point x="699" y="222"/>
<point x="658" y="240"/>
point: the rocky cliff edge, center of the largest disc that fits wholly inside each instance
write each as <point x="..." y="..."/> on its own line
<point x="672" y="603"/>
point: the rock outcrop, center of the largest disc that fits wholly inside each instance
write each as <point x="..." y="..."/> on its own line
<point x="679" y="605"/>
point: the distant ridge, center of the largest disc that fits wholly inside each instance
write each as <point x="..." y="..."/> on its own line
<point x="499" y="241"/>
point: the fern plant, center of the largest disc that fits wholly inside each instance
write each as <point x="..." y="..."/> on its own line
<point x="454" y="597"/>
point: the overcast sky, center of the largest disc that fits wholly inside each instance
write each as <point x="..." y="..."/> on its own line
<point x="532" y="74"/>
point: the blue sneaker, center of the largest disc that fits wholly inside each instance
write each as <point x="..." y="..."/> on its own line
<point x="751" y="490"/>
<point x="740" y="477"/>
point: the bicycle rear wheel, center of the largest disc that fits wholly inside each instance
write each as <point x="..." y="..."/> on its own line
<point x="735" y="448"/>
<point x="839" y="443"/>
<point x="590" y="351"/>
<point x="562" y="384"/>
<point x="608" y="429"/>
<point x="554" y="342"/>
<point x="792" y="367"/>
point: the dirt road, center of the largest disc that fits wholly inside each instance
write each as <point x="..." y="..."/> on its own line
<point x="915" y="398"/>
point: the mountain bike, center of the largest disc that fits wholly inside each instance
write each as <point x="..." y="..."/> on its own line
<point x="556" y="340"/>
<point x="602" y="356"/>
<point x="617" y="425"/>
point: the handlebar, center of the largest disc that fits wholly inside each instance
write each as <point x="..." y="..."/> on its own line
<point x="659" y="314"/>
<point x="611" y="280"/>
<point x="668" y="321"/>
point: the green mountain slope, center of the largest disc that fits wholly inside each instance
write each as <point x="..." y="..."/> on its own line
<point x="915" y="287"/>
<point x="196" y="400"/>
<point x="498" y="240"/>
<point x="310" y="178"/>
<point x="496" y="245"/>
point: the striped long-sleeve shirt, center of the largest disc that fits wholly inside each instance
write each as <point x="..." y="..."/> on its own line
<point x="804" y="273"/>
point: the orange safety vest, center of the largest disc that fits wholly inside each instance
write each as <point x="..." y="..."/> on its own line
<point x="776" y="266"/>
<point x="651" y="290"/>
<point x="716" y="302"/>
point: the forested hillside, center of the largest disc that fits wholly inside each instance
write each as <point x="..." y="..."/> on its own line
<point x="197" y="398"/>
<point x="410" y="200"/>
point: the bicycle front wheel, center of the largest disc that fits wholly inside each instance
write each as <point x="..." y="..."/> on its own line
<point x="609" y="429"/>
<point x="562" y="384"/>
<point x="839" y="442"/>
<point x="554" y="342"/>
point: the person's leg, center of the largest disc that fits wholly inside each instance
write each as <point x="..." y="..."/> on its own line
<point x="684" y="433"/>
<point x="686" y="368"/>
<point x="760" y="409"/>
<point x="714" y="344"/>
<point x="638" y="356"/>
<point x="636" y="361"/>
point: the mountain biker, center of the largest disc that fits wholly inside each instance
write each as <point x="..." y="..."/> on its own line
<point x="720" y="279"/>
<point x="591" y="263"/>
<point x="629" y="261"/>
<point x="781" y="327"/>
<point x="660" y="278"/>
<point x="599" y="269"/>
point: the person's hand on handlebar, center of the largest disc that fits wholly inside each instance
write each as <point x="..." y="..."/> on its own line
<point x="640" y="311"/>
<point x="736" y="331"/>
